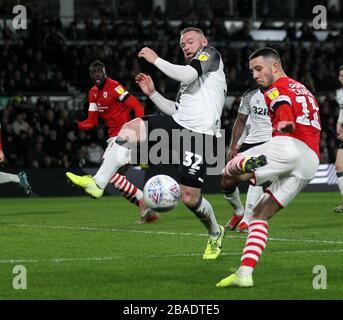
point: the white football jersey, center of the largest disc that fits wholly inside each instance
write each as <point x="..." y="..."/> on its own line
<point x="258" y="123"/>
<point x="199" y="104"/>
<point x="339" y="97"/>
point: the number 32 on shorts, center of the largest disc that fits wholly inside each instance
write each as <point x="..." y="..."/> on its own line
<point x="189" y="162"/>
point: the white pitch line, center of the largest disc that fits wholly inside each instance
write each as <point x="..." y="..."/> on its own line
<point x="229" y="235"/>
<point x="167" y="256"/>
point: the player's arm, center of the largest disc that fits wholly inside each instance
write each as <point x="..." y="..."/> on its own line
<point x="185" y="74"/>
<point x="132" y="103"/>
<point x="284" y="115"/>
<point x="146" y="84"/>
<point x="93" y="115"/>
<point x="237" y="131"/>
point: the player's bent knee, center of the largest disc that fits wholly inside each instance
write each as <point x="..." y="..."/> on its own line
<point x="133" y="131"/>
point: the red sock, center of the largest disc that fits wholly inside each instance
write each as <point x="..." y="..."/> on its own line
<point x="256" y="242"/>
<point x="128" y="190"/>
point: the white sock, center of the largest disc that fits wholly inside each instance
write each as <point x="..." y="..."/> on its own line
<point x="340" y="183"/>
<point x="204" y="211"/>
<point x="253" y="196"/>
<point x="235" y="201"/>
<point x="8" y="177"/>
<point x="244" y="271"/>
<point x="116" y="156"/>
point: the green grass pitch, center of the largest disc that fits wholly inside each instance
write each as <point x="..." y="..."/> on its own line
<point x="77" y="248"/>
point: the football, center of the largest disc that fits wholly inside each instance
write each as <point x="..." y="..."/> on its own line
<point x="161" y="193"/>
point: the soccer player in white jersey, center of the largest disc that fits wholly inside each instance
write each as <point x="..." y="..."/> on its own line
<point x="20" y="178"/>
<point x="252" y="112"/>
<point x="339" y="131"/>
<point x="196" y="112"/>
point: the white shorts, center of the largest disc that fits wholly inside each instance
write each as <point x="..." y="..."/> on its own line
<point x="291" y="164"/>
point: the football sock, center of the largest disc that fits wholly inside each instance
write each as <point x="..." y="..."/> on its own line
<point x="254" y="246"/>
<point x="340" y="182"/>
<point x="235" y="201"/>
<point x="234" y="166"/>
<point x="204" y="211"/>
<point x="116" y="156"/>
<point x="127" y="189"/>
<point x="8" y="177"/>
<point x="254" y="194"/>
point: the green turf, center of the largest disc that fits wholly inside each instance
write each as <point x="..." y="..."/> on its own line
<point x="77" y="248"/>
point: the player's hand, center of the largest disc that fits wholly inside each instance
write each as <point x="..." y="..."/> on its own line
<point x="2" y="157"/>
<point x="73" y="126"/>
<point x="340" y="136"/>
<point x="148" y="54"/>
<point x="232" y="153"/>
<point x="146" y="83"/>
<point x="285" y="126"/>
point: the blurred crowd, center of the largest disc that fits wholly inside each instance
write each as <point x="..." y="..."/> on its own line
<point x="39" y="135"/>
<point x="49" y="57"/>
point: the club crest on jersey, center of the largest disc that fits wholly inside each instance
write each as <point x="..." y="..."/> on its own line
<point x="204" y="56"/>
<point x="120" y="90"/>
<point x="273" y="93"/>
<point x="104" y="94"/>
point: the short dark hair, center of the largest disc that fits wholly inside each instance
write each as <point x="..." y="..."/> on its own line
<point x="96" y="63"/>
<point x="340" y="68"/>
<point x="188" y="29"/>
<point x="265" y="52"/>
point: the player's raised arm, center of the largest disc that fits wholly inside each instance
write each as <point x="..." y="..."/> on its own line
<point x="185" y="74"/>
<point x="146" y="84"/>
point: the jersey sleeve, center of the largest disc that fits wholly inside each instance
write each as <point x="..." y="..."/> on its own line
<point x="206" y="60"/>
<point x="120" y="92"/>
<point x="244" y="106"/>
<point x="277" y="96"/>
<point x="91" y="99"/>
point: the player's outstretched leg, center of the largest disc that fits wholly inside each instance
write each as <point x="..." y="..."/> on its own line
<point x="24" y="182"/>
<point x="204" y="212"/>
<point x="244" y="164"/>
<point x="133" y="194"/>
<point x="87" y="183"/>
<point x="254" y="246"/>
<point x="20" y="178"/>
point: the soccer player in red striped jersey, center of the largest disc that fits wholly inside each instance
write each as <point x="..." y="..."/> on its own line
<point x="290" y="159"/>
<point x="20" y="178"/>
<point x="113" y="103"/>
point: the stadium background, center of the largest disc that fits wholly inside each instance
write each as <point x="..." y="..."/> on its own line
<point x="44" y="71"/>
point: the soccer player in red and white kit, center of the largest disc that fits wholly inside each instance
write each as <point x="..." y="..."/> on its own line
<point x="290" y="159"/>
<point x="20" y="178"/>
<point x="113" y="103"/>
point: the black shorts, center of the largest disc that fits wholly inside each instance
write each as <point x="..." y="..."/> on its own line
<point x="340" y="145"/>
<point x="186" y="148"/>
<point x="247" y="146"/>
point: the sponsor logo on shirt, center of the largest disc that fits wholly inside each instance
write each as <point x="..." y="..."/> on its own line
<point x="104" y="94"/>
<point x="273" y="93"/>
<point x="204" y="56"/>
<point x="120" y="90"/>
